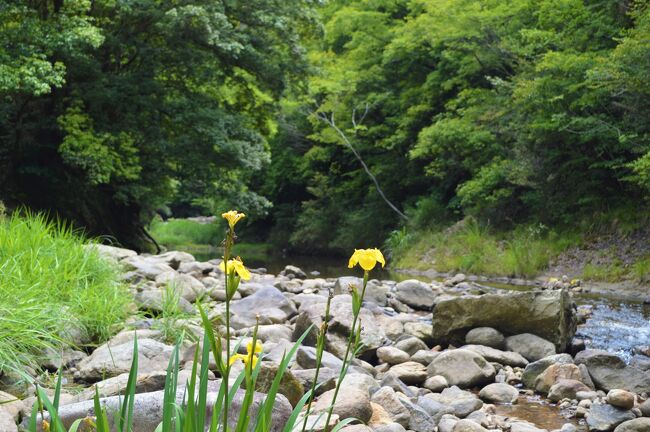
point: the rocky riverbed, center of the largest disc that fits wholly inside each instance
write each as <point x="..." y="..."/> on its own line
<point x="449" y="356"/>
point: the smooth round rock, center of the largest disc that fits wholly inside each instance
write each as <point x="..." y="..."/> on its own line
<point x="621" y="398"/>
<point x="486" y="336"/>
<point x="499" y="393"/>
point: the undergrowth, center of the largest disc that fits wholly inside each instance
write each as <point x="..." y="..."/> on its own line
<point x="54" y="292"/>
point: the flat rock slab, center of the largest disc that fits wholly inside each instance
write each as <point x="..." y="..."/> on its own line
<point x="548" y="314"/>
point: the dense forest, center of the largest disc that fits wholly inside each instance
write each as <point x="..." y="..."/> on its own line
<point x="331" y="123"/>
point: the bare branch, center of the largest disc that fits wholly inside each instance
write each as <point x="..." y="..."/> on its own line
<point x="332" y="123"/>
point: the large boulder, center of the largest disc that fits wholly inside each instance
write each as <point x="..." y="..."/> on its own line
<point x="548" y="314"/>
<point x="148" y="409"/>
<point x="462" y="368"/>
<point x="608" y="372"/>
<point x="636" y="425"/>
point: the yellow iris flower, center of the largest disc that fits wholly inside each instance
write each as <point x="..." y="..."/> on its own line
<point x="236" y="266"/>
<point x="367" y="258"/>
<point x="233" y="216"/>
<point x="251" y="356"/>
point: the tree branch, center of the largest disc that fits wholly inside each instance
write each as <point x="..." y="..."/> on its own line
<point x="331" y="123"/>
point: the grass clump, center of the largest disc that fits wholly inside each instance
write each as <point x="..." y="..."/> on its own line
<point x="54" y="292"/>
<point x="474" y="248"/>
<point x="178" y="233"/>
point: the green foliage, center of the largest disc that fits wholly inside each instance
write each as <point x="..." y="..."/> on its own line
<point x="175" y="233"/>
<point x="44" y="267"/>
<point x="473" y="248"/>
<point x="109" y="111"/>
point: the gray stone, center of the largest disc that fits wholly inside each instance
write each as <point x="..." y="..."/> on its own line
<point x="411" y="373"/>
<point x="110" y="360"/>
<point x="555" y="372"/>
<point x="645" y="408"/>
<point x="306" y="358"/>
<point x="111" y="252"/>
<point x="425" y="356"/>
<point x="184" y="285"/>
<point x="521" y="426"/>
<point x="468" y="426"/>
<point x="533" y="369"/>
<point x="350" y="402"/>
<point x="154" y="300"/>
<point x="608" y="371"/>
<point x="485" y="336"/>
<point x="419" y="420"/>
<point x="387" y="398"/>
<point x="436" y="383"/>
<point x="434" y="408"/>
<point x="267" y="303"/>
<point x="566" y="389"/>
<point x="636" y="425"/>
<point x="548" y="314"/>
<point x="326" y="378"/>
<point x="416" y="294"/>
<point x="463" y="403"/>
<point x="530" y="346"/>
<point x="463" y="368"/>
<point x="146" y="267"/>
<point x="499" y="393"/>
<point x="621" y="399"/>
<point x="392" y="355"/>
<point x="508" y="358"/>
<point x="604" y="418"/>
<point x="411" y="345"/>
<point x="7" y="422"/>
<point x="294" y="271"/>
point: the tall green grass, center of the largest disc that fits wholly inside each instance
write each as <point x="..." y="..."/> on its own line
<point x="53" y="292"/>
<point x="175" y="233"/>
<point x="474" y="248"/>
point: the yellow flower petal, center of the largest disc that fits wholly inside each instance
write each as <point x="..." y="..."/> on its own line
<point x="253" y="362"/>
<point x="380" y="257"/>
<point x="258" y="347"/>
<point x="354" y="259"/>
<point x="233" y="216"/>
<point x="236" y="357"/>
<point x="242" y="271"/>
<point x="367" y="261"/>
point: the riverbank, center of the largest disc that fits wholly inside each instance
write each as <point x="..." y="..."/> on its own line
<point x="409" y="377"/>
<point x="606" y="258"/>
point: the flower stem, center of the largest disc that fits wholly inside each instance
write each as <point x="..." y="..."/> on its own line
<point x="319" y="356"/>
<point x="346" y="363"/>
<point x="226" y="256"/>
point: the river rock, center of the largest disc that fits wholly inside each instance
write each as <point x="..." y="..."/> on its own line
<point x="485" y="336"/>
<point x="146" y="267"/>
<point x="350" y="402"/>
<point x="387" y="398"/>
<point x="636" y="425"/>
<point x="604" y="418"/>
<point x="293" y="271"/>
<point x="566" y="389"/>
<point x="532" y="370"/>
<point x="462" y="403"/>
<point x="555" y="372"/>
<point x="392" y="355"/>
<point x="436" y="383"/>
<point x="419" y="419"/>
<point x="326" y="378"/>
<point x="608" y="371"/>
<point x="530" y="346"/>
<point x="188" y="287"/>
<point x="7" y="422"/>
<point x="111" y="252"/>
<point x="425" y="356"/>
<point x="645" y="408"/>
<point x="411" y="345"/>
<point x="468" y="426"/>
<point x="306" y="358"/>
<point x="621" y="399"/>
<point x="416" y="294"/>
<point x="268" y="303"/>
<point x="508" y="358"/>
<point x="107" y="362"/>
<point x="548" y="314"/>
<point x="290" y="386"/>
<point x="149" y="408"/>
<point x="153" y="300"/>
<point x="463" y="368"/>
<point x="410" y="372"/>
<point x="434" y="408"/>
<point x="499" y="393"/>
<point x="523" y="426"/>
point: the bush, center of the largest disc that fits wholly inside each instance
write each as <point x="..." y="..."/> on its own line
<point x="175" y="233"/>
<point x="53" y="290"/>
